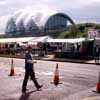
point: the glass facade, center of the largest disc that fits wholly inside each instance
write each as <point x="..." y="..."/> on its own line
<point x="50" y="24"/>
<point x="56" y="23"/>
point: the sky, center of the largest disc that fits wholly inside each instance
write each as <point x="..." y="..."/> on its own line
<point x="79" y="10"/>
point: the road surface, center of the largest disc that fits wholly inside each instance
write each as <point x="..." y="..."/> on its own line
<point x="78" y="81"/>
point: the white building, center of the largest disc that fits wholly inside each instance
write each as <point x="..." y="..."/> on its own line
<point x="93" y="33"/>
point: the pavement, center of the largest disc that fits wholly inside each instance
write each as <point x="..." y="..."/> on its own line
<point x="52" y="58"/>
<point x="79" y="80"/>
<point x="92" y="98"/>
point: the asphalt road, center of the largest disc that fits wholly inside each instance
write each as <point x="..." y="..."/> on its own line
<point x="78" y="81"/>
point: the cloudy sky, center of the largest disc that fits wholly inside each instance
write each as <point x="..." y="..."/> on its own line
<point x="79" y="10"/>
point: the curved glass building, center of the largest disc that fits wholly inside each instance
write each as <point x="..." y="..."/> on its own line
<point x="37" y="23"/>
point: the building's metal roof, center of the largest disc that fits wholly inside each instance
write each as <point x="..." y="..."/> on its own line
<point x="39" y="17"/>
<point x="76" y="40"/>
<point x="12" y="40"/>
<point x="25" y="39"/>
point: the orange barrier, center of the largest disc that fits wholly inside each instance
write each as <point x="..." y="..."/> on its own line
<point x="56" y="75"/>
<point x="12" y="68"/>
<point x="98" y="84"/>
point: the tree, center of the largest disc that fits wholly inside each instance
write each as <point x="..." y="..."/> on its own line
<point x="97" y="27"/>
<point x="82" y="28"/>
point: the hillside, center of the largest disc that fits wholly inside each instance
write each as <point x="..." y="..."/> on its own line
<point x="81" y="30"/>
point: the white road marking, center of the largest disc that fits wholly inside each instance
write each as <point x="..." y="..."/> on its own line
<point x="45" y="73"/>
<point x="92" y="98"/>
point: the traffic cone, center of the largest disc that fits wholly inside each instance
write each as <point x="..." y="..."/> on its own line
<point x="56" y="76"/>
<point x="12" y="68"/>
<point x="98" y="84"/>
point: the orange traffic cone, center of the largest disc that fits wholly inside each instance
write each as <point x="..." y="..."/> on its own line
<point x="98" y="84"/>
<point x="12" y="68"/>
<point x="56" y="76"/>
